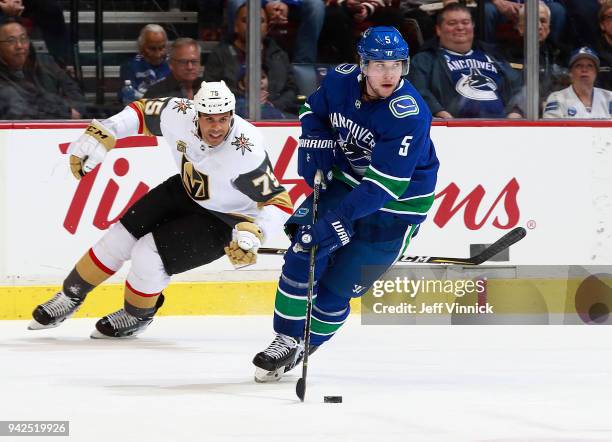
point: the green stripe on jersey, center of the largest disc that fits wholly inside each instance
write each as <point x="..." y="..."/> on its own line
<point x="304" y="108"/>
<point x="416" y="205"/>
<point x="393" y="186"/>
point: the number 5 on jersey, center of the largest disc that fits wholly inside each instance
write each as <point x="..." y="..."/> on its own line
<point x="403" y="151"/>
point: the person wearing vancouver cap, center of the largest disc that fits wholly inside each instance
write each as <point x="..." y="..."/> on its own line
<point x="581" y="99"/>
<point x="225" y="199"/>
<point x="367" y="129"/>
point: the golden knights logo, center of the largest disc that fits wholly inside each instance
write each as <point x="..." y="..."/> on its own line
<point x="242" y="143"/>
<point x="195" y="182"/>
<point x="181" y="146"/>
<point x="182" y="106"/>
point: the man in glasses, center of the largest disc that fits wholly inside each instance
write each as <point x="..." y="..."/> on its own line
<point x="185" y="68"/>
<point x="33" y="86"/>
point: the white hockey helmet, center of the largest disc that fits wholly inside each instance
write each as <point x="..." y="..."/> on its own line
<point x="214" y="97"/>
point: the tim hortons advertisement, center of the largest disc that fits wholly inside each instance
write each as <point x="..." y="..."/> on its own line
<point x="491" y="179"/>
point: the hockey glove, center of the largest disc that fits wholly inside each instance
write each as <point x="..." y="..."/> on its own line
<point x="90" y="149"/>
<point x="315" y="153"/>
<point x="246" y="239"/>
<point x="328" y="234"/>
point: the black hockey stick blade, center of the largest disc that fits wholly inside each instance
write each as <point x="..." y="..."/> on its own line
<point x="300" y="389"/>
<point x="512" y="237"/>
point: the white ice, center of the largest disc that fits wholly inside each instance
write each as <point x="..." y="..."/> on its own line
<point x="191" y="378"/>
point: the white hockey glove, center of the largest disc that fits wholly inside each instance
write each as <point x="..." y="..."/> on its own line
<point x="246" y="240"/>
<point x="90" y="149"/>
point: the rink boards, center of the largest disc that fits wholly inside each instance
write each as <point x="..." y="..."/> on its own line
<point x="552" y="179"/>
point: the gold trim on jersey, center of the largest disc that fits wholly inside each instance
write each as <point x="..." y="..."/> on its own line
<point x="140" y="106"/>
<point x="280" y="199"/>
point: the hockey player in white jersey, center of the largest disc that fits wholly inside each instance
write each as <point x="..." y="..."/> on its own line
<point x="225" y="199"/>
<point x="581" y="99"/>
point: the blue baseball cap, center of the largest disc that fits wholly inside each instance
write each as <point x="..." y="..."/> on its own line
<point x="584" y="52"/>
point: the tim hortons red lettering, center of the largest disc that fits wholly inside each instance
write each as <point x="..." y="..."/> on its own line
<point x="81" y="196"/>
<point x="101" y="221"/>
<point x="299" y="187"/>
<point x="449" y="207"/>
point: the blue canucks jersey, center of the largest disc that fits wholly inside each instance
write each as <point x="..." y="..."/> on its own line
<point x="476" y="78"/>
<point x="142" y="74"/>
<point x="383" y="149"/>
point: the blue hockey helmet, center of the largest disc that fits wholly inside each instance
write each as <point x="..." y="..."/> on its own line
<point x="383" y="43"/>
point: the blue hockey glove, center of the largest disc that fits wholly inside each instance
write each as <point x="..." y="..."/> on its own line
<point x="329" y="234"/>
<point x="315" y="153"/>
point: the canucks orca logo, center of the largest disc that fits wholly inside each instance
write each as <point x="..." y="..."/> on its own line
<point x="477" y="86"/>
<point x="403" y="106"/>
<point x="358" y="155"/>
<point x="345" y="68"/>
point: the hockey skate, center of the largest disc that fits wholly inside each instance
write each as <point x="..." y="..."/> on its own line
<point x="55" y="311"/>
<point x="122" y="325"/>
<point x="281" y="356"/>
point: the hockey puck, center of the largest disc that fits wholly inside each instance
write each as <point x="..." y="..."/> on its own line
<point x="332" y="399"/>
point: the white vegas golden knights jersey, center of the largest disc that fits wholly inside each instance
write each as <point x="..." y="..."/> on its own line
<point x="235" y="178"/>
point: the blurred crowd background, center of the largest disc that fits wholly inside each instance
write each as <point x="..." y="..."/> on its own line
<point x="467" y="58"/>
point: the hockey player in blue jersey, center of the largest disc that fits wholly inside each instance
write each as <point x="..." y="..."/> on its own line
<point x="367" y="128"/>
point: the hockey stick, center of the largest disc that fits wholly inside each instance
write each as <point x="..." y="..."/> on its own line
<point x="512" y="237"/>
<point x="300" y="387"/>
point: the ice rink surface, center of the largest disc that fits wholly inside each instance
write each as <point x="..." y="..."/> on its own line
<point x="191" y="379"/>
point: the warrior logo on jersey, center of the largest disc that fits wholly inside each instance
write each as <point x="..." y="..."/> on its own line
<point x="477" y="86"/>
<point x="195" y="182"/>
<point x="182" y="106"/>
<point x="242" y="143"/>
<point x="404" y="106"/>
<point x="345" y="68"/>
<point x="181" y="146"/>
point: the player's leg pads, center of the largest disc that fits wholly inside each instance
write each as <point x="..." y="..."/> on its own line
<point x="282" y="352"/>
<point x="147" y="273"/>
<point x="121" y="324"/>
<point x="55" y="311"/>
<point x="291" y="294"/>
<point x="115" y="247"/>
<point x="329" y="313"/>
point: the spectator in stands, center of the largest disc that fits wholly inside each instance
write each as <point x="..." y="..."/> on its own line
<point x="228" y="58"/>
<point x="460" y="78"/>
<point x="604" y="45"/>
<point x="504" y="11"/>
<point x="311" y="14"/>
<point x="268" y="111"/>
<point x="581" y="99"/>
<point x="48" y="16"/>
<point x="150" y="65"/>
<point x="33" y="86"/>
<point x="185" y="69"/>
<point x="344" y="19"/>
<point x="553" y="74"/>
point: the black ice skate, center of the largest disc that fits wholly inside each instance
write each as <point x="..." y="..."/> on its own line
<point x="55" y="311"/>
<point x="121" y="325"/>
<point x="282" y="355"/>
